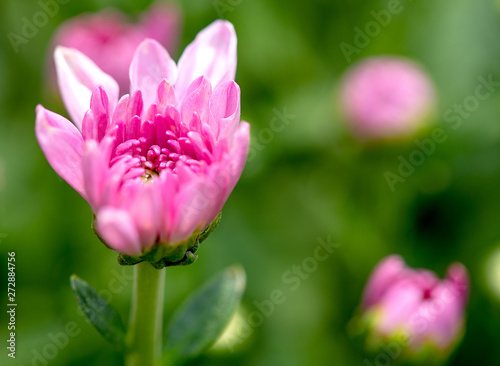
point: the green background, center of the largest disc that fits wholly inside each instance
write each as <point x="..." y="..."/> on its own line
<point x="309" y="181"/>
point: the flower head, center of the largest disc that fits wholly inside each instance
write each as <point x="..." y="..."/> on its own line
<point x="157" y="165"/>
<point x="110" y="40"/>
<point x="399" y="300"/>
<point x="386" y="97"/>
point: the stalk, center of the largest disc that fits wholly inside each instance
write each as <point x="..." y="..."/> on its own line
<point x="144" y="334"/>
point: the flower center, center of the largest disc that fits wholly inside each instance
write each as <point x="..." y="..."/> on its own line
<point x="158" y="148"/>
<point x="427" y="295"/>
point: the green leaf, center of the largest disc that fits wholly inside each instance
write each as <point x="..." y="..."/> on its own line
<point x="204" y="315"/>
<point x="98" y="312"/>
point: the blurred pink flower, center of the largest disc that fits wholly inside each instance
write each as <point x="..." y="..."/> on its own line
<point x="110" y="40"/>
<point x="386" y="97"/>
<point x="414" y="301"/>
<point x="157" y="165"/>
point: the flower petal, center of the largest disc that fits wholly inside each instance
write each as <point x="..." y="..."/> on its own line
<point x="120" y="112"/>
<point x="400" y="307"/>
<point x="212" y="54"/>
<point x="97" y="118"/>
<point x="443" y="316"/>
<point x="225" y="110"/>
<point x="62" y="145"/>
<point x="192" y="205"/>
<point x="117" y="229"/>
<point x="168" y="185"/>
<point x="458" y="276"/>
<point x="150" y="65"/>
<point x="197" y="100"/>
<point x="95" y="165"/>
<point x="78" y="76"/>
<point x="384" y="274"/>
<point x="238" y="156"/>
<point x="165" y="95"/>
<point x="147" y="213"/>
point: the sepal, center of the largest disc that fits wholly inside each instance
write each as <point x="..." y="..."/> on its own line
<point x="167" y="255"/>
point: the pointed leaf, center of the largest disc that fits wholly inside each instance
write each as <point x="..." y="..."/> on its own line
<point x="98" y="312"/>
<point x="202" y="318"/>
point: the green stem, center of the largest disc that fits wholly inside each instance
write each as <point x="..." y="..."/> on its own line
<point x="144" y="334"/>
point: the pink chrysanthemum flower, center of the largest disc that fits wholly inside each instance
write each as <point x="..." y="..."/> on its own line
<point x="157" y="165"/>
<point x="426" y="310"/>
<point x="386" y="97"/>
<point x="110" y="40"/>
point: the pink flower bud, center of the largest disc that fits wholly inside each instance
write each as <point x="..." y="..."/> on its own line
<point x="109" y="39"/>
<point x="386" y="97"/>
<point x="426" y="310"/>
<point x="156" y="166"/>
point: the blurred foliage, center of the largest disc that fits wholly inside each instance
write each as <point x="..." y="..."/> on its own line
<point x="309" y="181"/>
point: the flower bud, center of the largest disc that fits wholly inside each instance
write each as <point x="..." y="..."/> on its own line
<point x="386" y="97"/>
<point x="413" y="309"/>
<point x="109" y="39"/>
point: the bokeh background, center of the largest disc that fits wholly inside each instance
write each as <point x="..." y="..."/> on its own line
<point x="311" y="180"/>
